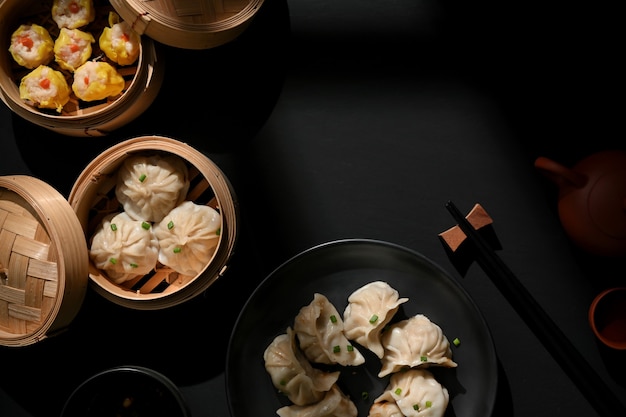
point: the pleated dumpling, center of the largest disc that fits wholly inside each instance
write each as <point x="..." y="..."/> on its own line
<point x="124" y="248"/>
<point x="150" y="186"/>
<point x="72" y="48"/>
<point x="45" y="88"/>
<point x="120" y="43"/>
<point x="31" y="46"/>
<point x="415" y="342"/>
<point x="73" y="14"/>
<point x="97" y="80"/>
<point x="188" y="237"/>
<point x="320" y="331"/>
<point x="292" y="374"/>
<point x="416" y="393"/>
<point x="369" y="310"/>
<point x="334" y="404"/>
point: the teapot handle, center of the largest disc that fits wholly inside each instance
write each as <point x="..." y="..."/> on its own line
<point x="559" y="174"/>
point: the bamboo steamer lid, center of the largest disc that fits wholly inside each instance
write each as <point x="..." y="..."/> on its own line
<point x="78" y="118"/>
<point x="43" y="267"/>
<point x="189" y="24"/>
<point x="93" y="197"/>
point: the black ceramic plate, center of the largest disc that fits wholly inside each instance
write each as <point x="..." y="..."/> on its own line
<point x="336" y="269"/>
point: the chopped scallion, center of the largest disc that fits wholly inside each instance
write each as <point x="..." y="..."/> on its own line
<point x="333" y="318"/>
<point x="398" y="391"/>
<point x="350" y="348"/>
<point x="429" y="404"/>
<point x="113" y="261"/>
<point x="113" y="227"/>
<point x="170" y="224"/>
<point x="365" y="395"/>
<point x="374" y="319"/>
<point x="336" y="349"/>
<point x="416" y="407"/>
<point x="142" y="177"/>
<point x="134" y="265"/>
<point x="424" y="358"/>
<point x="145" y="225"/>
<point x="178" y="250"/>
<point x="456" y="341"/>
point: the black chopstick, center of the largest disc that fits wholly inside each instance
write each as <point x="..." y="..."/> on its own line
<point x="599" y="395"/>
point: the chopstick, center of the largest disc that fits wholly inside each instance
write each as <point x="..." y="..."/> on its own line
<point x="569" y="358"/>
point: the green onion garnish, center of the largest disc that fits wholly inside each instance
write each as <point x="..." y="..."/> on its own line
<point x="145" y="225"/>
<point x="429" y="404"/>
<point x="398" y="391"/>
<point x="456" y="341"/>
<point x="365" y="395"/>
<point x="218" y="231"/>
<point x="134" y="265"/>
<point x="170" y="224"/>
<point x="374" y="319"/>
<point x="283" y="382"/>
<point x="142" y="177"/>
<point x="113" y="261"/>
<point x="416" y="407"/>
<point x="178" y="250"/>
<point x="423" y="358"/>
<point x="113" y="227"/>
<point x="333" y="318"/>
<point x="350" y="348"/>
<point x="336" y="349"/>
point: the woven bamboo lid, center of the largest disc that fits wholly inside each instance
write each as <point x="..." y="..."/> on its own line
<point x="43" y="261"/>
<point x="189" y="24"/>
<point x="93" y="197"/>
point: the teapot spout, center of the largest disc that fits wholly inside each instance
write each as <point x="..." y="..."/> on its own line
<point x="559" y="174"/>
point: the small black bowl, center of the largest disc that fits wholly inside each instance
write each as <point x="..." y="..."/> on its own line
<point x="126" y="391"/>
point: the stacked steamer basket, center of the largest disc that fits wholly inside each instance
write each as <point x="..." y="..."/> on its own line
<point x="43" y="272"/>
<point x="78" y="118"/>
<point x="93" y="197"/>
<point x="188" y="24"/>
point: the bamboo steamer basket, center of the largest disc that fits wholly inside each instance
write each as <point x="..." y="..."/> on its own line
<point x="43" y="272"/>
<point x="93" y="197"/>
<point x="189" y="24"/>
<point x="143" y="79"/>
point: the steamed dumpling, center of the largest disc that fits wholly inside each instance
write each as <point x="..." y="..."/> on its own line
<point x="385" y="409"/>
<point x="46" y="88"/>
<point x="31" y="46"/>
<point x="320" y="330"/>
<point x="417" y="393"/>
<point x="120" y="43"/>
<point x="188" y="237"/>
<point x="292" y="374"/>
<point x="73" y="14"/>
<point x="334" y="404"/>
<point x="97" y="80"/>
<point x="369" y="310"/>
<point x="72" y="48"/>
<point x="124" y="248"/>
<point x="150" y="186"/>
<point x="415" y="342"/>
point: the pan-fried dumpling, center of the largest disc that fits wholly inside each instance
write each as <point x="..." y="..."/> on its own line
<point x="292" y="374"/>
<point x="124" y="248"/>
<point x="417" y="393"/>
<point x="385" y="409"/>
<point x="150" y="186"/>
<point x="319" y="328"/>
<point x="334" y="404"/>
<point x="369" y="310"/>
<point x="415" y="342"/>
<point x="188" y="237"/>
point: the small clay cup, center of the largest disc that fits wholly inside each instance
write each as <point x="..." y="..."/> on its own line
<point x="607" y="317"/>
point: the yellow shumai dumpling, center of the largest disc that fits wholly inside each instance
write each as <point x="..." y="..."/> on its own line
<point x="120" y="43"/>
<point x="46" y="88"/>
<point x="72" y="48"/>
<point x="73" y="14"/>
<point x="97" y="80"/>
<point x="31" y="46"/>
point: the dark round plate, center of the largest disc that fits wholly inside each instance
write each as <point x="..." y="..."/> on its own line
<point x="126" y="391"/>
<point x="336" y="269"/>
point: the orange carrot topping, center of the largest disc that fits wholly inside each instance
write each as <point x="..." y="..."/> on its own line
<point x="26" y="41"/>
<point x="86" y="80"/>
<point x="125" y="37"/>
<point x="74" y="7"/>
<point x="44" y="83"/>
<point x="74" y="47"/>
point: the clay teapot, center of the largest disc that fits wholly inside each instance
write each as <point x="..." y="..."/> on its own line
<point x="592" y="200"/>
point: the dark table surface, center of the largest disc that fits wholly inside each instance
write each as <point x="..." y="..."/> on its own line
<point x="357" y="119"/>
